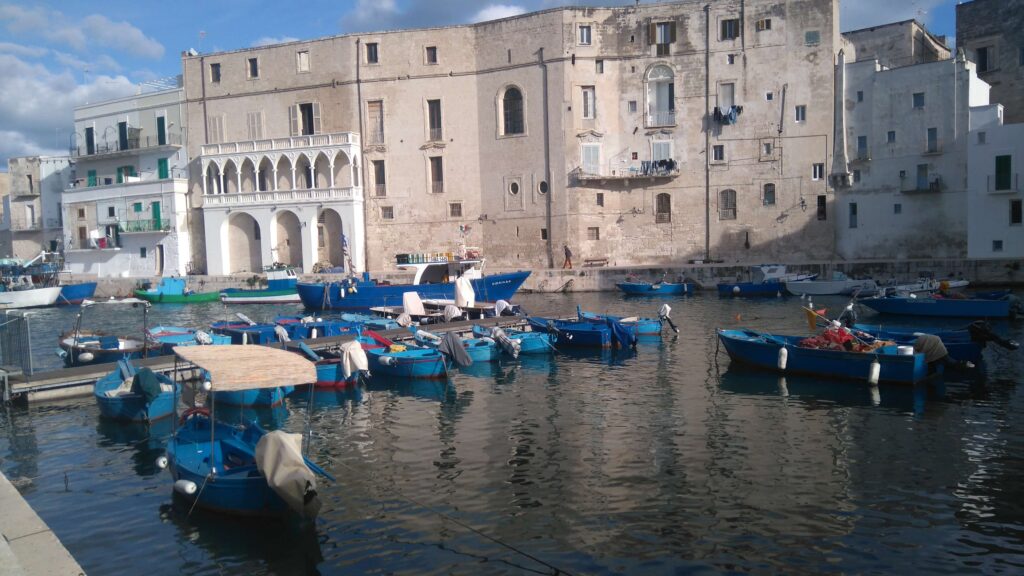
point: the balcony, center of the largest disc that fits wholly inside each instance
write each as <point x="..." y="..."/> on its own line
<point x="643" y="170"/>
<point x="23" y="224"/>
<point x="1003" y="183"/>
<point x="129" y="146"/>
<point x="135" y="187"/>
<point x="290" y="143"/>
<point x="270" y="198"/>
<point x="661" y="118"/>
<point x="933" y="186"/>
<point x="144" y="226"/>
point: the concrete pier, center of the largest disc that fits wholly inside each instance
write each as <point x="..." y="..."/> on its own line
<point x="27" y="545"/>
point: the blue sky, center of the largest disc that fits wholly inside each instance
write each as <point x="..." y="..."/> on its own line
<point x="55" y="55"/>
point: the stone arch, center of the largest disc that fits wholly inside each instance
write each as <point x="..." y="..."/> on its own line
<point x="284" y="173"/>
<point x="248" y="169"/>
<point x="230" y="177"/>
<point x="511" y="111"/>
<point x="265" y="175"/>
<point x="213" y="179"/>
<point x="660" y="89"/>
<point x="287" y="247"/>
<point x="344" y="175"/>
<point x="663" y="208"/>
<point x="322" y="176"/>
<point x="303" y="172"/>
<point x="244" y="240"/>
<point x="329" y="230"/>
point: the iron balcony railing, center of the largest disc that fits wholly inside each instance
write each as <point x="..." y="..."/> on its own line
<point x="435" y="134"/>
<point x="132" y="143"/>
<point x="437" y="186"/>
<point x="149" y="225"/>
<point x="662" y="118"/>
<point x="380" y="190"/>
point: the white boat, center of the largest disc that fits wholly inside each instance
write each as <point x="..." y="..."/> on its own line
<point x="925" y="286"/>
<point x="839" y="284"/>
<point x="29" y="297"/>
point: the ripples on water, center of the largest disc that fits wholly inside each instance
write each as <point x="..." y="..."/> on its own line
<point x="661" y="461"/>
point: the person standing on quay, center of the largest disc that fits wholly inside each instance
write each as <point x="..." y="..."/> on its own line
<point x="568" y="258"/>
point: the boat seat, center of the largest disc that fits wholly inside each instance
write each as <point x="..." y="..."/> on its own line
<point x="127" y="369"/>
<point x="108" y="342"/>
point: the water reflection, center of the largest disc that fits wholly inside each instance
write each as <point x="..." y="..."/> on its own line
<point x="269" y="417"/>
<point x="147" y="441"/>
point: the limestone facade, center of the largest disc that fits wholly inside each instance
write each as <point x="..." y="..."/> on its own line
<point x="31" y="219"/>
<point x="992" y="34"/>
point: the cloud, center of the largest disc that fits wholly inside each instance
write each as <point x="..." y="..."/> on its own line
<point x="94" y="30"/>
<point x="24" y="51"/>
<point x="268" y="40"/>
<point x="497" y="12"/>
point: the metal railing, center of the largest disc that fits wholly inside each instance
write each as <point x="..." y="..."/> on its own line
<point x="435" y="134"/>
<point x="642" y="169"/>
<point x="98" y="180"/>
<point x="662" y="217"/>
<point x="150" y="225"/>
<point x="437" y="186"/>
<point x="380" y="190"/>
<point x="21" y="223"/>
<point x="662" y="118"/>
<point x="292" y="142"/>
<point x="1009" y="183"/>
<point x="281" y="196"/>
<point x="133" y="143"/>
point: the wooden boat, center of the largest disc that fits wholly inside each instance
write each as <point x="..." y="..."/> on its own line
<point x="784" y="354"/>
<point x="640" y="326"/>
<point x="765" y="280"/>
<point x="586" y="334"/>
<point x="964" y="345"/>
<point x="242" y="470"/>
<point x="14" y="297"/>
<point x="174" y="291"/>
<point x="480" y="349"/>
<point x="245" y="331"/>
<point x="529" y="342"/>
<point x="310" y="328"/>
<point x="341" y="367"/>
<point x="987" y="305"/>
<point x="656" y="288"/>
<point x="839" y="284"/>
<point x="170" y="336"/>
<point x="80" y="347"/>
<point x="138" y="395"/>
<point x="405" y="361"/>
<point x="281" y="283"/>
<point x="29" y="283"/>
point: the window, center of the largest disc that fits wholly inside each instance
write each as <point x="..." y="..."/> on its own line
<point x="513" y="188"/>
<point x="897" y="208"/>
<point x="664" y="36"/>
<point x="766" y="148"/>
<point x="584" y="35"/>
<point x="981" y="137"/>
<point x="434" y="119"/>
<point x="853" y="214"/>
<point x="215" y="125"/>
<point x="111" y="212"/>
<point x="81" y="213"/>
<point x="379" y="179"/>
<point x="375" y="121"/>
<point x="763" y="24"/>
<point x="997" y="245"/>
<point x="860" y="95"/>
<point x="137" y="207"/>
<point x="922" y="176"/>
<point x="543" y="233"/>
<point x="726" y="95"/>
<point x="661" y="150"/>
<point x="215" y="72"/>
<point x="856" y="175"/>
<point x="599" y="66"/>
<point x="90" y="140"/>
<point x="512" y="105"/>
<point x="590" y="155"/>
<point x="589" y="103"/>
<point x="542" y="187"/>
<point x="822" y="215"/>
<point x="982" y="55"/>
<point x="254" y="123"/>
<point x="890" y="137"/>
<point x="812" y="38"/>
<point x="302" y="61"/>
<point x="142" y="251"/>
<point x="305" y="119"/>
<point x="90" y="179"/>
<point x="436" y="174"/>
<point x="730" y="29"/>
<point x="162" y="169"/>
<point x="600" y="198"/>
<point x="1004" y="165"/>
<point x="455" y="209"/>
<point x="1015" y="212"/>
<point x="431" y="55"/>
<point x="727" y="205"/>
<point x="593" y="233"/>
<point x="631" y="106"/>
<point x="933" y="140"/>
<point x="768" y="198"/>
<point x="253" y="68"/>
<point x="769" y="96"/>
<point x="387" y="212"/>
<point x="862" y="147"/>
<point x="801" y="113"/>
<point x="918" y="99"/>
<point x="371" y="53"/>
<point x="818" y="171"/>
<point x="718" y="152"/>
<point x="661" y="101"/>
<point x="663" y="208"/>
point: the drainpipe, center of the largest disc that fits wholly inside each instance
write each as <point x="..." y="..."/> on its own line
<point x="547" y="161"/>
<point x="366" y="204"/>
<point x="707" y="132"/>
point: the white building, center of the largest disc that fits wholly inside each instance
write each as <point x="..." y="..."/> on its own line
<point x="125" y="213"/>
<point x="906" y="146"/>
<point x="995" y="153"/>
<point x="31" y="219"/>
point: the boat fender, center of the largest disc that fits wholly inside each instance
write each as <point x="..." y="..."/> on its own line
<point x="783" y="357"/>
<point x="161" y="462"/>
<point x="313" y="334"/>
<point x="387" y="360"/>
<point x="873" y="373"/>
<point x="185" y="487"/>
<point x="207" y="385"/>
<point x="61" y="353"/>
<point x="86" y="357"/>
<point x="735" y="289"/>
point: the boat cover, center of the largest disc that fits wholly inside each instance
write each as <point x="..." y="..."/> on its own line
<point x="465" y="296"/>
<point x="412" y="304"/>
<point x="451" y="346"/>
<point x="146" y="383"/>
<point x="279" y="459"/>
<point x="452" y="312"/>
<point x="353" y="358"/>
<point x="235" y="368"/>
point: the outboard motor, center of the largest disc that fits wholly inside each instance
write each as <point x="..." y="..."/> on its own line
<point x="849" y="316"/>
<point x="982" y="333"/>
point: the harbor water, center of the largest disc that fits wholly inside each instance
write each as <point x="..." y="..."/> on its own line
<point x="665" y="460"/>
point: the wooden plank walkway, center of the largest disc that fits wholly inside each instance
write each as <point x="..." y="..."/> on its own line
<point x="78" y="381"/>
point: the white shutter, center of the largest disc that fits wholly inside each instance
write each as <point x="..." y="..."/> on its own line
<point x="591" y="158"/>
<point x="726" y="95"/>
<point x="293" y="120"/>
<point x="316" y="118"/>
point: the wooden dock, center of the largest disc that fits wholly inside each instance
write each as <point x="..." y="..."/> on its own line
<point x="78" y="381"/>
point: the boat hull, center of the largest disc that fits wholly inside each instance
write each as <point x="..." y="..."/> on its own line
<point x="193" y="298"/>
<point x="751" y="289"/>
<point x="659" y="289"/>
<point x="72" y="294"/>
<point x="238" y="296"/>
<point x="958" y="343"/>
<point x="575" y="334"/>
<point x="133" y="407"/>
<point x="332" y="296"/>
<point x="410" y="363"/>
<point x="830" y="287"/>
<point x="762" y="351"/>
<point x="940" y="307"/>
<point x="31" y="298"/>
<point x="529" y="342"/>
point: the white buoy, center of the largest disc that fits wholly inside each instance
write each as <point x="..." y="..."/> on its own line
<point x="778" y="294"/>
<point x="876" y="368"/>
<point x="387" y="360"/>
<point x="207" y="385"/>
<point x="86" y="357"/>
<point x="312" y="333"/>
<point x="783" y="358"/>
<point x="161" y="462"/>
<point x="735" y="289"/>
<point x="186" y="487"/>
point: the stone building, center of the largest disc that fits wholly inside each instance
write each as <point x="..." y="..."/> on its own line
<point x="125" y="209"/>
<point x="32" y="208"/>
<point x="656" y="133"/>
<point x="995" y="155"/>
<point x="898" y="44"/>
<point x="992" y="34"/>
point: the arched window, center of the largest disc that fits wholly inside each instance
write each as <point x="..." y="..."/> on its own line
<point x="663" y="208"/>
<point x="769" y="195"/>
<point x="727" y="205"/>
<point x="661" y="97"/>
<point x="512" y="108"/>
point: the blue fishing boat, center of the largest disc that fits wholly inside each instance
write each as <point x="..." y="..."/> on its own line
<point x="656" y="288"/>
<point x="432" y="280"/>
<point x="341" y="367"/>
<point x="988" y="305"/>
<point x="786" y="355"/>
<point x="73" y="294"/>
<point x="79" y="347"/>
<point x="479" y="349"/>
<point x="586" y="334"/>
<point x="529" y="342"/>
<point x="249" y="332"/>
<point x="138" y="395"/>
<point x="309" y="328"/>
<point x="641" y="326"/>
<point x="170" y="336"/>
<point x="964" y="345"/>
<point x="242" y="470"/>
<point x="371" y="322"/>
<point x="406" y="361"/>
<point x="765" y="280"/>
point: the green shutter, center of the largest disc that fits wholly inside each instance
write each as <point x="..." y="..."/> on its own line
<point x="1003" y="168"/>
<point x="92" y="178"/>
<point x="161" y="131"/>
<point x="161" y="168"/>
<point x="120" y="174"/>
<point x="137" y="207"/>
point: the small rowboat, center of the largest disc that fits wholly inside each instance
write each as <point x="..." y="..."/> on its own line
<point x="586" y="334"/>
<point x="529" y="342"/>
<point x="987" y="305"/>
<point x="170" y="336"/>
<point x="405" y="361"/>
<point x="655" y="289"/>
<point x="135" y="395"/>
<point x="481" y="349"/>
